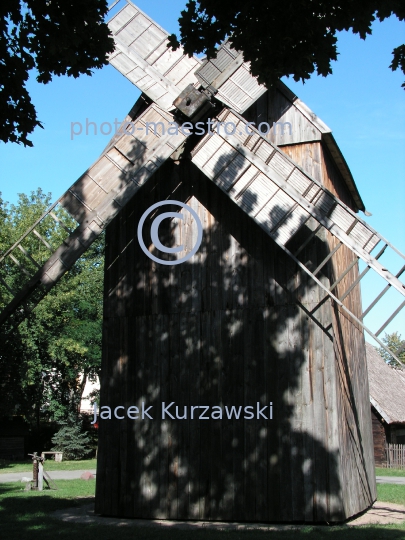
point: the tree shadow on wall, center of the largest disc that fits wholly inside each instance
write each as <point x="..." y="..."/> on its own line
<point x="237" y="324"/>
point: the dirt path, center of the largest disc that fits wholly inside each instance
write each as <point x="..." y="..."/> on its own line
<point x="381" y="513"/>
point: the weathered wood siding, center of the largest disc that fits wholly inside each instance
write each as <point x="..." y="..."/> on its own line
<point x="237" y="324"/>
<point x="354" y="426"/>
<point x="287" y="123"/>
<point x="379" y="439"/>
<point x="350" y="350"/>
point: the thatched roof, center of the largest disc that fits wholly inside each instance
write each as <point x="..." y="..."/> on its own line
<point x="387" y="388"/>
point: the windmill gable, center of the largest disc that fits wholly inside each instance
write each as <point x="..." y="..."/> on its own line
<point x="299" y="132"/>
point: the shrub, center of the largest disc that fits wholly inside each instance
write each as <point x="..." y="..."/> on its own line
<point x="71" y="441"/>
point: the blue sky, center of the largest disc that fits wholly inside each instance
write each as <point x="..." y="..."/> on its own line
<point x="362" y="102"/>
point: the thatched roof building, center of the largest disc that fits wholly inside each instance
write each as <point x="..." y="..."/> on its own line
<point x="387" y="398"/>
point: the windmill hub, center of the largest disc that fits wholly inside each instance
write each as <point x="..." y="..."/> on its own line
<point x="193" y="103"/>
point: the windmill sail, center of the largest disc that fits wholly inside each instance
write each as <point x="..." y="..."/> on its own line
<point x="93" y="201"/>
<point x="282" y="199"/>
<point x="142" y="56"/>
<point x="230" y="75"/>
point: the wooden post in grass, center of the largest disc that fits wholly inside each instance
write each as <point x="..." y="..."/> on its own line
<point x="34" y="471"/>
<point x="40" y="475"/>
<point x="37" y="472"/>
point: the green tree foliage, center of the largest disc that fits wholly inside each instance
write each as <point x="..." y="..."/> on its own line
<point x="397" y="346"/>
<point x="57" y="37"/>
<point x="71" y="440"/>
<point x="58" y="347"/>
<point x="293" y="37"/>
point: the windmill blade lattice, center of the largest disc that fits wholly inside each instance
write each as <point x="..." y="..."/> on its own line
<point x="142" y="56"/>
<point x="93" y="201"/>
<point x="282" y="199"/>
<point x="229" y="76"/>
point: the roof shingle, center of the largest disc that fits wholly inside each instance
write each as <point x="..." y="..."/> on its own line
<point x="387" y="387"/>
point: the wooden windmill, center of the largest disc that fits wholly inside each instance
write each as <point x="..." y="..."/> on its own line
<point x="267" y="311"/>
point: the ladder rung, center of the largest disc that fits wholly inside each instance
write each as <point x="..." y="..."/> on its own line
<point x="283" y="219"/>
<point x="326" y="259"/>
<point x="10" y="290"/>
<point x="307" y="241"/>
<point x="113" y="4"/>
<point x="25" y="252"/>
<point x="17" y="262"/>
<point x="360" y="277"/>
<point x="368" y="240"/>
<point x="352" y="226"/>
<point x="58" y="220"/>
<point x="339" y="279"/>
<point x="28" y="231"/>
<point x="374" y="302"/>
<point x="46" y="244"/>
<point x="387" y="322"/>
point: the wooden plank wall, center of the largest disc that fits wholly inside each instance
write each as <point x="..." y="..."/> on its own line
<point x="354" y="424"/>
<point x="350" y="351"/>
<point x="234" y="325"/>
<point x="273" y="107"/>
<point x="379" y="439"/>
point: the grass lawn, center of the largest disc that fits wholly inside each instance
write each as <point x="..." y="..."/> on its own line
<point x="50" y="465"/>
<point x="379" y="471"/>
<point x="391" y="493"/>
<point x="26" y="516"/>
